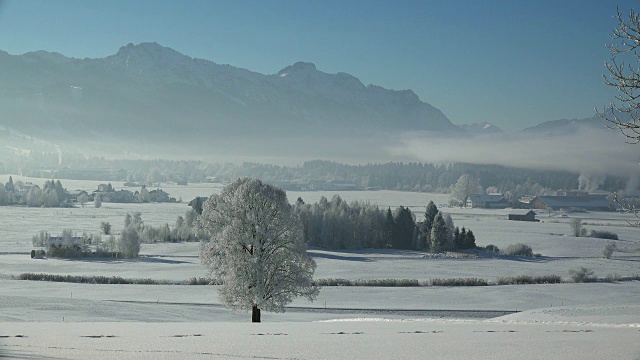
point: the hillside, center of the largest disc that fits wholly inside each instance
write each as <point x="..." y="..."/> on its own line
<point x="156" y="91"/>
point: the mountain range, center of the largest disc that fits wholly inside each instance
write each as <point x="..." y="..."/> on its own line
<point x="150" y="93"/>
<point x="155" y="89"/>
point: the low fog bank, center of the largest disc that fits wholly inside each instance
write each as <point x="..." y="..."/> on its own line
<point x="592" y="153"/>
<point x="277" y="150"/>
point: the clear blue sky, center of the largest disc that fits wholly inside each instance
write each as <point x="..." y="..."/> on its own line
<point x="513" y="63"/>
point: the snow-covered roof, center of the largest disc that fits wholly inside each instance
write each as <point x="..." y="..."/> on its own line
<point x="575" y="201"/>
<point x="521" y="212"/>
<point x="486" y="198"/>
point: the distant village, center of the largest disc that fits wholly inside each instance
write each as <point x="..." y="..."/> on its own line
<point x="53" y="194"/>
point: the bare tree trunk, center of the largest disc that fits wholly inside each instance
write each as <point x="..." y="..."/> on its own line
<point x="255" y="314"/>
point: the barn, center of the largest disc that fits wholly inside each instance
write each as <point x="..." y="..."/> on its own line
<point x="587" y="202"/>
<point x="523" y="215"/>
<point x="490" y="201"/>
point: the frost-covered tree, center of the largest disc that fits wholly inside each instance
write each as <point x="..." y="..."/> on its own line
<point x="129" y="242"/>
<point x="425" y="229"/>
<point x="609" y="249"/>
<point x="4" y="196"/>
<point x="256" y="248"/>
<point x="144" y="195"/>
<point x="134" y="220"/>
<point x="624" y="76"/>
<point x="154" y="177"/>
<point x="97" y="201"/>
<point x="465" y="186"/>
<point x="33" y="197"/>
<point x="576" y="228"/>
<point x="105" y="226"/>
<point x="110" y="244"/>
<point x="51" y="198"/>
<point x="448" y="222"/>
<point x="82" y="199"/>
<point x="190" y="218"/>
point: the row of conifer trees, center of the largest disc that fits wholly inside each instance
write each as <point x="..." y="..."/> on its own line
<point x="336" y="224"/>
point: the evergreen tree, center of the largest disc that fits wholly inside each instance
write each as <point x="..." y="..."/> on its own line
<point x="196" y="204"/>
<point x="416" y="244"/>
<point x="462" y="238"/>
<point x="387" y="235"/>
<point x="430" y="215"/>
<point x="403" y="228"/>
<point x="4" y="197"/>
<point x="427" y="224"/>
<point x="60" y="191"/>
<point x="469" y="240"/>
<point x="450" y="229"/>
<point x="438" y="235"/>
<point x="9" y="186"/>
<point x="456" y="238"/>
<point x="326" y="231"/>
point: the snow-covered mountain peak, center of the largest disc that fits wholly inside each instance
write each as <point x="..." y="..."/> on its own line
<point x="481" y="128"/>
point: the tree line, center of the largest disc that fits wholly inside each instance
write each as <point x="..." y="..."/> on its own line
<point x="412" y="176"/>
<point x="52" y="194"/>
<point x="335" y="224"/>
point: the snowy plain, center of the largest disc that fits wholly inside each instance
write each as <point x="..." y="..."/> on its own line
<point x="561" y="321"/>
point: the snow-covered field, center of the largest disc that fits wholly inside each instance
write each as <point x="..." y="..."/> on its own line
<point x="561" y="321"/>
<point x="356" y="339"/>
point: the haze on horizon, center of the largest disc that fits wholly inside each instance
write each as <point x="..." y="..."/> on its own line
<point x="514" y="65"/>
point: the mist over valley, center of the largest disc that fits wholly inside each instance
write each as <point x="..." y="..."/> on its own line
<point x="148" y="101"/>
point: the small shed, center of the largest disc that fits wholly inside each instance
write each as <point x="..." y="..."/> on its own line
<point x="589" y="203"/>
<point x="523" y="215"/>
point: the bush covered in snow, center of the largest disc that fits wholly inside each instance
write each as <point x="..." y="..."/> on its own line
<point x="459" y="282"/>
<point x="582" y="275"/>
<point x="518" y="250"/>
<point x="492" y="248"/>
<point x="609" y="249"/>
<point x="525" y="279"/>
<point x="603" y="235"/>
